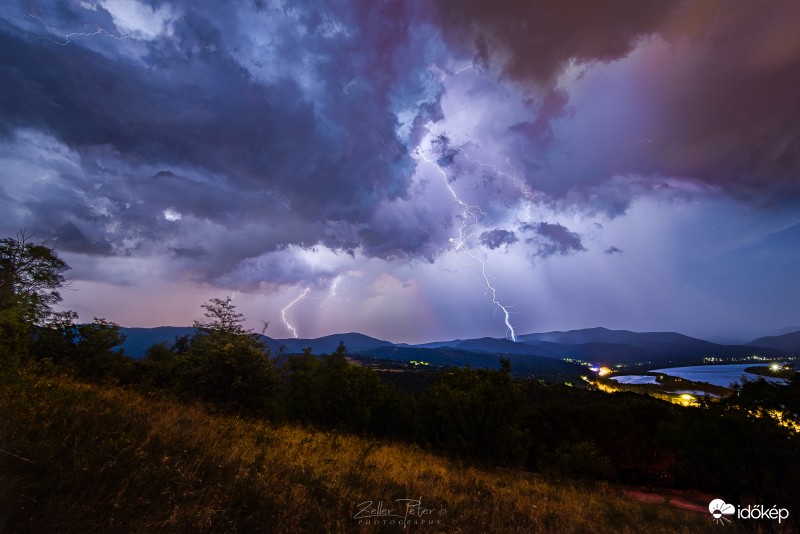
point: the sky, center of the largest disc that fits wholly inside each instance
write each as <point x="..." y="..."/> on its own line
<point x="412" y="170"/>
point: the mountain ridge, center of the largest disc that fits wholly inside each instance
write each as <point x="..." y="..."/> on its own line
<point x="789" y="342"/>
<point x="599" y="346"/>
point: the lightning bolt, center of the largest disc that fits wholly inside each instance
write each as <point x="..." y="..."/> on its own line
<point x="286" y="308"/>
<point x="332" y="291"/>
<point x="524" y="188"/>
<point x="645" y="140"/>
<point x="507" y="316"/>
<point x="444" y="74"/>
<point x="470" y="217"/>
<point x="68" y="36"/>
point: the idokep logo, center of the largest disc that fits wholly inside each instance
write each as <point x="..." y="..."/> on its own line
<point x="719" y="509"/>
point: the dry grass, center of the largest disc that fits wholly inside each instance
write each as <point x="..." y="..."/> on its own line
<point x="93" y="459"/>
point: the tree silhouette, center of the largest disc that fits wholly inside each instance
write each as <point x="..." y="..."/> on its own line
<point x="30" y="277"/>
<point x="227" y="363"/>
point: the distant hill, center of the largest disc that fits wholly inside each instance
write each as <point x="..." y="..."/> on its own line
<point x="327" y="344"/>
<point x="787" y="342"/>
<point x="605" y="346"/>
<point x="500" y="346"/>
<point x="623" y="337"/>
<point x="138" y="340"/>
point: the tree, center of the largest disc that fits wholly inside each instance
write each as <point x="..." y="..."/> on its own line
<point x="477" y="413"/>
<point x="88" y="349"/>
<point x="332" y="392"/>
<point x="227" y="363"/>
<point x="30" y="277"/>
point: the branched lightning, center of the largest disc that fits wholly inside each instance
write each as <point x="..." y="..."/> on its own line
<point x="66" y="37"/>
<point x="470" y="217"/>
<point x="286" y="308"/>
<point x="524" y="188"/>
<point x="332" y="291"/>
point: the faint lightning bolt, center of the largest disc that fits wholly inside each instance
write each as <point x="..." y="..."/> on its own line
<point x="645" y="140"/>
<point x="286" y="308"/>
<point x="472" y="213"/>
<point x="524" y="188"/>
<point x="332" y="295"/>
<point x="68" y="36"/>
<point x="444" y="74"/>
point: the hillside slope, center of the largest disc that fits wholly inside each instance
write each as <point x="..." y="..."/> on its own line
<point x="787" y="342"/>
<point x="83" y="458"/>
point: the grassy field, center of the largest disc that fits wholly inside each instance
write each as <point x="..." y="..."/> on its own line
<point x="87" y="458"/>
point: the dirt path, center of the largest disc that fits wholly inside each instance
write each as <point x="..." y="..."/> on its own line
<point x="692" y="500"/>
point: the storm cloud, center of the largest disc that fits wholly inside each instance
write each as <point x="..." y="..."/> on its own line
<point x="194" y="119"/>
<point x="498" y="237"/>
<point x="702" y="93"/>
<point x="399" y="150"/>
<point x="553" y="238"/>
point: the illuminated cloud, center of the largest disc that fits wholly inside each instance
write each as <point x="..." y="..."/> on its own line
<point x="172" y="215"/>
<point x="139" y="20"/>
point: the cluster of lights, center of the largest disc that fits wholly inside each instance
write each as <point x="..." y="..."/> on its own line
<point x="601" y="371"/>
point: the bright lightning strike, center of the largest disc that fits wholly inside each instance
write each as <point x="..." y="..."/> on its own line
<point x="468" y="211"/>
<point x="474" y="214"/>
<point x="286" y="308"/>
<point x="507" y="317"/>
<point x="66" y="37"/>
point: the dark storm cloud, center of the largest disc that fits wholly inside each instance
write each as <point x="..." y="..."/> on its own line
<point x="535" y="40"/>
<point x="739" y="127"/>
<point x="298" y="136"/>
<point x="445" y="152"/>
<point x="720" y="95"/>
<point x="496" y="238"/>
<point x="553" y="238"/>
<point x="206" y="111"/>
<point x="613" y="250"/>
<point x="69" y="237"/>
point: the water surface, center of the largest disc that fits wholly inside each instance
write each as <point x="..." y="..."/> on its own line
<point x="719" y="374"/>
